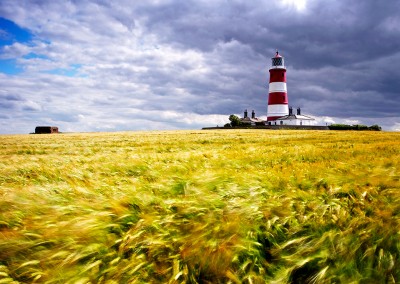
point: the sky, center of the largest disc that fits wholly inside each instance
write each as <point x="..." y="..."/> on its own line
<point x="98" y="65"/>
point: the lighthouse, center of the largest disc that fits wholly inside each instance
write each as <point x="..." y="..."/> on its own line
<point x="277" y="98"/>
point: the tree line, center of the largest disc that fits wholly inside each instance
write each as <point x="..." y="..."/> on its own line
<point x="374" y="127"/>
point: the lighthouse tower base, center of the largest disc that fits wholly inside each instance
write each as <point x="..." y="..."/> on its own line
<point x="276" y="111"/>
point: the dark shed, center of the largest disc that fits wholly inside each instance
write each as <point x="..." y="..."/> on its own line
<point x="46" y="129"/>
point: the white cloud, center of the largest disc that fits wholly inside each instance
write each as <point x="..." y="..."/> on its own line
<point x="395" y="127"/>
<point x="31" y="106"/>
<point x="15" y="50"/>
<point x="300" y="5"/>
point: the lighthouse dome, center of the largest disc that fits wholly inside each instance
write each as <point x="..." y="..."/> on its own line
<point x="278" y="61"/>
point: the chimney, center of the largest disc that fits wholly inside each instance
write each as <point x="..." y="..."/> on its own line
<point x="290" y="111"/>
<point x="245" y="113"/>
<point x="298" y="111"/>
<point x="253" y="114"/>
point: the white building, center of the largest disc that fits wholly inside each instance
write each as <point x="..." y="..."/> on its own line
<point x="293" y="119"/>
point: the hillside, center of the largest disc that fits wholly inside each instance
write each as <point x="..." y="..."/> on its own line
<point x="238" y="206"/>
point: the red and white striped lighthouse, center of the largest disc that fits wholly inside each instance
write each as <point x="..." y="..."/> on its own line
<point x="277" y="98"/>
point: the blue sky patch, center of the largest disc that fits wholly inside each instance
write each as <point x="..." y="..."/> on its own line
<point x="34" y="55"/>
<point x="72" y="71"/>
<point x="9" y="66"/>
<point x="11" y="32"/>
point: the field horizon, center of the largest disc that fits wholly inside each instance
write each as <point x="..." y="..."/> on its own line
<point x="200" y="206"/>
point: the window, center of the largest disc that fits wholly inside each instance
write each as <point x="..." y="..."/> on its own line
<point x="276" y="61"/>
<point x="281" y="122"/>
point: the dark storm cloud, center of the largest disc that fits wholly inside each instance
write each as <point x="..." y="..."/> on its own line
<point x="348" y="48"/>
<point x="342" y="33"/>
<point x="335" y="33"/>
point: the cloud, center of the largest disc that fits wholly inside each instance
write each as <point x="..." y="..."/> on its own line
<point x="91" y="65"/>
<point x="395" y="127"/>
<point x="31" y="106"/>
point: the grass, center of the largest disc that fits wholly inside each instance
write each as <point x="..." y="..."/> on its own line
<point x="231" y="206"/>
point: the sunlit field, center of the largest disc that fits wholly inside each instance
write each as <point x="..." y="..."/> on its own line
<point x="227" y="206"/>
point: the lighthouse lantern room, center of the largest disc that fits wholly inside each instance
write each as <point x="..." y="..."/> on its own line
<point x="277" y="98"/>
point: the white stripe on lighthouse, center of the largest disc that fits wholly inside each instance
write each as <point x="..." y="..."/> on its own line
<point x="277" y="87"/>
<point x="278" y="110"/>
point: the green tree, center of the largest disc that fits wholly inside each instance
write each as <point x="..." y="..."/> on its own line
<point x="375" y="127"/>
<point x="235" y="121"/>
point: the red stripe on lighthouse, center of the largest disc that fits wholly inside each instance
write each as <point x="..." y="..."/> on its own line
<point x="277" y="75"/>
<point x="277" y="98"/>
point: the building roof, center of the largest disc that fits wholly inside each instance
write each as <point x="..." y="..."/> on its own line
<point x="294" y="116"/>
<point x="250" y="120"/>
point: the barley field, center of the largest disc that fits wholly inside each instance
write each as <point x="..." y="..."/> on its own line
<point x="227" y="206"/>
